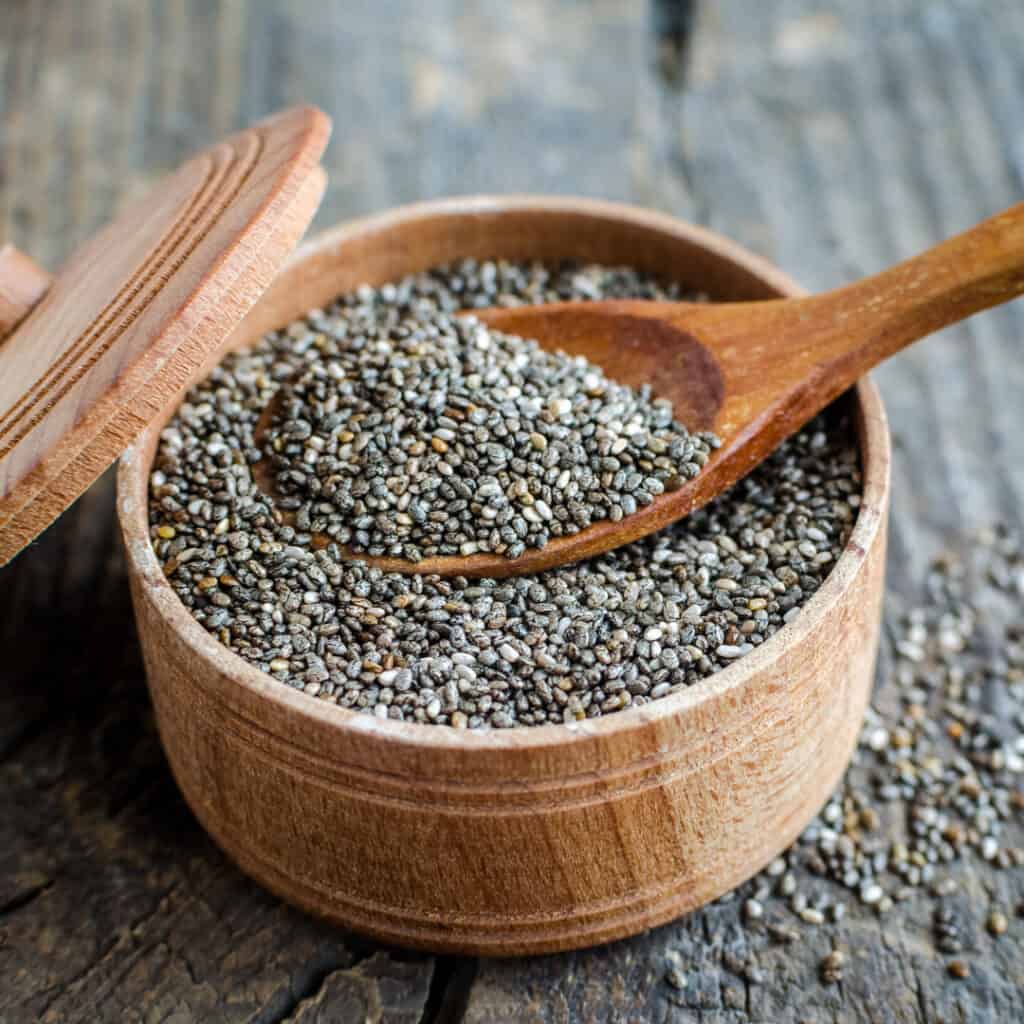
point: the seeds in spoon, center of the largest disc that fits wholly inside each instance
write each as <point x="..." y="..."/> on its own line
<point x="436" y="436"/>
<point x="578" y="642"/>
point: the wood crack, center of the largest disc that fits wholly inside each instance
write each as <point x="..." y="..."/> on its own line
<point x="58" y="991"/>
<point x="29" y="733"/>
<point x="450" y="987"/>
<point x="25" y="897"/>
<point x="674" y="25"/>
<point x="307" y="987"/>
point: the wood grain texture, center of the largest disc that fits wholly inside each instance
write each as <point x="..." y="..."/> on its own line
<point x="565" y="835"/>
<point x="139" y="307"/>
<point x="833" y="139"/>
<point x="22" y="284"/>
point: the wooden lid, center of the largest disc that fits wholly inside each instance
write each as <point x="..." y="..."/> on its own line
<point x="139" y="310"/>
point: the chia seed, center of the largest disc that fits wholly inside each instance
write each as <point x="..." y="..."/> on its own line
<point x="831" y="967"/>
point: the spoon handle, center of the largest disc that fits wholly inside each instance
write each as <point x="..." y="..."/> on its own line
<point x="794" y="356"/>
<point x="873" y="319"/>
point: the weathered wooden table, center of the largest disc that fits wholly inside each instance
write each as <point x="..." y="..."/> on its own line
<point x="833" y="137"/>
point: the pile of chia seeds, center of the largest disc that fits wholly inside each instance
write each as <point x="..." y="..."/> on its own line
<point x="937" y="781"/>
<point x="571" y="643"/>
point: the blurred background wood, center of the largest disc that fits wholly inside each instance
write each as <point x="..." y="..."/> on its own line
<point x="833" y="138"/>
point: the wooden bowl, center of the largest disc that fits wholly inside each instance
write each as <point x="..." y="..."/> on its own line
<point x="527" y="840"/>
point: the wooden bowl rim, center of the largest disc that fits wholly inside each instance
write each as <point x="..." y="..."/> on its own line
<point x="873" y="445"/>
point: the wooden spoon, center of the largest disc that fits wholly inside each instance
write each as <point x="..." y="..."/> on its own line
<point x="753" y="372"/>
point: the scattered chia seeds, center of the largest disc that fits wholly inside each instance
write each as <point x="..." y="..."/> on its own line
<point x="944" y="766"/>
<point x="575" y="642"/>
